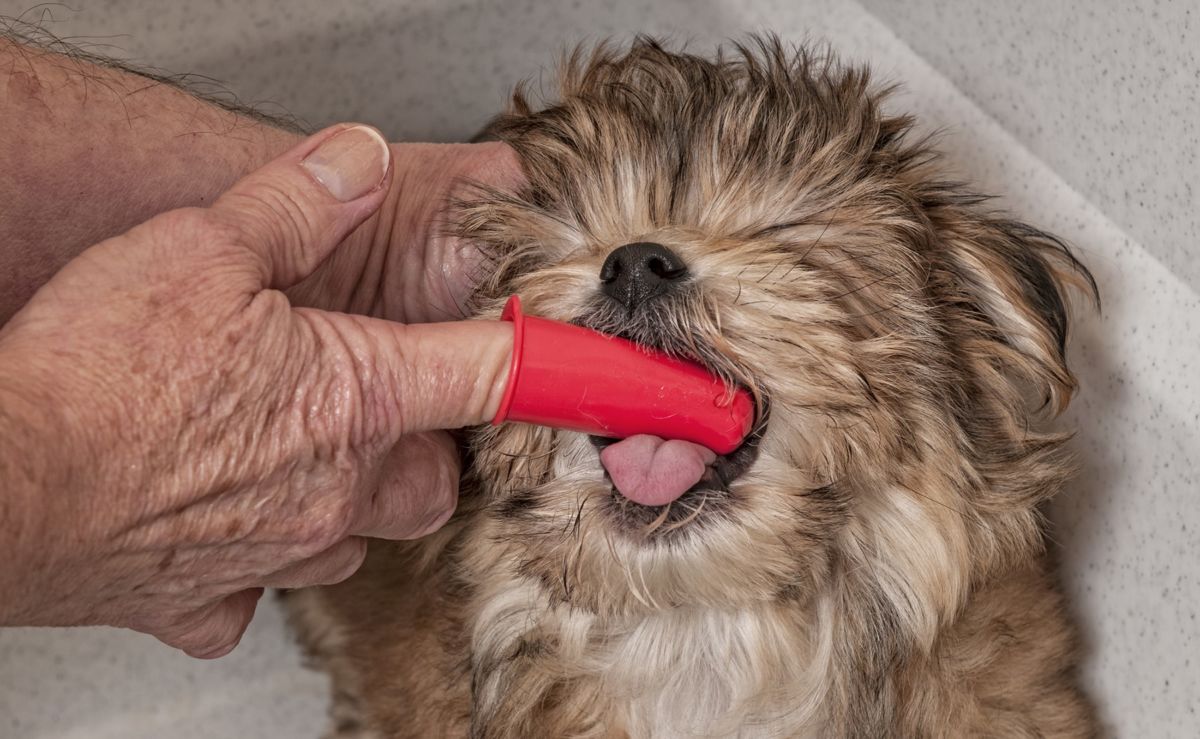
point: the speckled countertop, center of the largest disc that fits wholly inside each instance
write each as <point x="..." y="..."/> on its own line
<point x="1085" y="120"/>
<point x="1107" y="94"/>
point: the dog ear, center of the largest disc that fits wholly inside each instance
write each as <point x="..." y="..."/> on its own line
<point x="1012" y="281"/>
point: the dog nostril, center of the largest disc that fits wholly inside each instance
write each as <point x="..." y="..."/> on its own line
<point x="665" y="271"/>
<point x="637" y="272"/>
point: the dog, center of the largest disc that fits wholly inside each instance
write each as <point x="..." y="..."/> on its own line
<point x="871" y="562"/>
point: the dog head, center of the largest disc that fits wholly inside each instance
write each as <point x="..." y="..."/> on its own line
<point x="761" y="215"/>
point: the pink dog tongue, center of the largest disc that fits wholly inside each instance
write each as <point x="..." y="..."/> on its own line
<point x="654" y="472"/>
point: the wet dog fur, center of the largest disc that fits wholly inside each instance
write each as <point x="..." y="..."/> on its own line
<point x="877" y="565"/>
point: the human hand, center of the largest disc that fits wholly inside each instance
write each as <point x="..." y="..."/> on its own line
<point x="403" y="264"/>
<point x="176" y="436"/>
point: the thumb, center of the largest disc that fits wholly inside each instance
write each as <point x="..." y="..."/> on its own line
<point x="292" y="212"/>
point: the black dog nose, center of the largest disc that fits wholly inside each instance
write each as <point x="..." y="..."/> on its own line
<point x="634" y="273"/>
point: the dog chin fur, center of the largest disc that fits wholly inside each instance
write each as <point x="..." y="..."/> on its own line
<point x="879" y="570"/>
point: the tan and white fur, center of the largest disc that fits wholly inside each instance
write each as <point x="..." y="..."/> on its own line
<point x="877" y="568"/>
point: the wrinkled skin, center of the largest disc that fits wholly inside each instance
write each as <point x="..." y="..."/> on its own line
<point x="402" y="264"/>
<point x="176" y="435"/>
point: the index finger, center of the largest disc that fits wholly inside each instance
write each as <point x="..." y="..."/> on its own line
<point x="419" y="377"/>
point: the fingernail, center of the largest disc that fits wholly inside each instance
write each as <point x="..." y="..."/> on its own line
<point x="351" y="164"/>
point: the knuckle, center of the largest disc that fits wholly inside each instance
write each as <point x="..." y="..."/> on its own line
<point x="207" y="632"/>
<point x="333" y="389"/>
<point x="191" y="226"/>
<point x="438" y="496"/>
<point x="319" y="531"/>
<point x="444" y="472"/>
<point x="370" y="393"/>
<point x="278" y="214"/>
<point x="442" y="488"/>
<point x="447" y="503"/>
<point x="185" y="221"/>
<point x="208" y="236"/>
<point x="215" y="648"/>
<point x="198" y="635"/>
<point x="445" y="491"/>
<point x="353" y="557"/>
<point x="186" y="225"/>
<point x="425" y="484"/>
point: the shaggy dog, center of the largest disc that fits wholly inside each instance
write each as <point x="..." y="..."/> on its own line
<point x="870" y="563"/>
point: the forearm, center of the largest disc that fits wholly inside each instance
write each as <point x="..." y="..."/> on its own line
<point x="88" y="151"/>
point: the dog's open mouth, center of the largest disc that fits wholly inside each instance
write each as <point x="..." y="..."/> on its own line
<point x="655" y="472"/>
<point x="670" y="482"/>
<point x="656" y="481"/>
